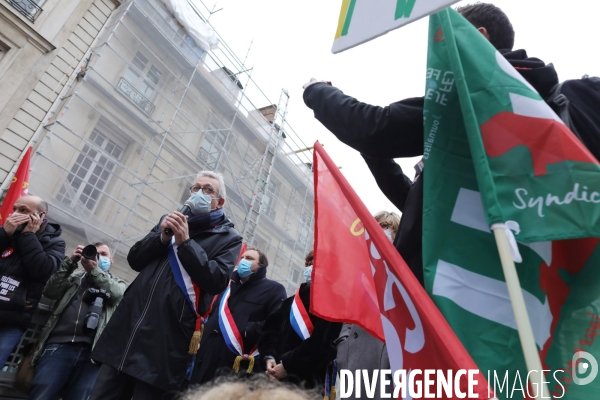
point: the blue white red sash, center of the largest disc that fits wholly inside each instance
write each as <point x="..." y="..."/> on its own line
<point x="299" y="318"/>
<point x="230" y="331"/>
<point x="191" y="292"/>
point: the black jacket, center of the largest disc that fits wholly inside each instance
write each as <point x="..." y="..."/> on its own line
<point x="35" y="257"/>
<point x="303" y="360"/>
<point x="390" y="178"/>
<point x="149" y="334"/>
<point x="397" y="131"/>
<point x="250" y="303"/>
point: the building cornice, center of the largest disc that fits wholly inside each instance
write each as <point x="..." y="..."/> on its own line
<point x="7" y="15"/>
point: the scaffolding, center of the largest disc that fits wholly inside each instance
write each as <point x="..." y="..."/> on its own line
<point x="149" y="111"/>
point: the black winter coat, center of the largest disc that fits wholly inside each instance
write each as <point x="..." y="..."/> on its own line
<point x="397" y="131"/>
<point x="250" y="304"/>
<point x="34" y="259"/>
<point x="304" y="360"/>
<point x="149" y="334"/>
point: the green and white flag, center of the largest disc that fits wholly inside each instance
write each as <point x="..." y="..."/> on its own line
<point x="494" y="153"/>
<point x="363" y="20"/>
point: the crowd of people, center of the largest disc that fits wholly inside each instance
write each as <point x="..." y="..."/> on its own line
<point x="199" y="311"/>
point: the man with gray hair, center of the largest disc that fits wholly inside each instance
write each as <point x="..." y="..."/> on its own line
<point x="147" y="347"/>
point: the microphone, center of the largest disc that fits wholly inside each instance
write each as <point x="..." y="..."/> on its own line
<point x="187" y="206"/>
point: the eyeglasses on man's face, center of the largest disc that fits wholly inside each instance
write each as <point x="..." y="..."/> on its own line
<point x="206" y="190"/>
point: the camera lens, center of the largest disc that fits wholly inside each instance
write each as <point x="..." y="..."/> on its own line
<point x="89" y="252"/>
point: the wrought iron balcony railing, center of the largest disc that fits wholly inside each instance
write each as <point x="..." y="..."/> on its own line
<point x="135" y="97"/>
<point x="28" y="8"/>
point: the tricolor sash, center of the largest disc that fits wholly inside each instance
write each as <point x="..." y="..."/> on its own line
<point x="191" y="292"/>
<point x="299" y="318"/>
<point x="232" y="336"/>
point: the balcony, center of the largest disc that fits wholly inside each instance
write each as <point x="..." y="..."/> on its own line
<point x="131" y="93"/>
<point x="28" y="8"/>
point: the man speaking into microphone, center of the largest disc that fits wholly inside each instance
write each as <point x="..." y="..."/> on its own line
<point x="148" y="345"/>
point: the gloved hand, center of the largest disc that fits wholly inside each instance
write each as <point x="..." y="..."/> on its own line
<point x="313" y="81"/>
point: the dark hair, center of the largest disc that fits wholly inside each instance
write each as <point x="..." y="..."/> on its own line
<point x="262" y="257"/>
<point x="308" y="260"/>
<point x="493" y="19"/>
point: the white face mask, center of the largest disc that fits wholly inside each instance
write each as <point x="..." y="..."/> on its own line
<point x="202" y="203"/>
<point x="307" y="273"/>
<point x="388" y="233"/>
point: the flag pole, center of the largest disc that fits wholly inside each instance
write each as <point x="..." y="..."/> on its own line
<point x="532" y="358"/>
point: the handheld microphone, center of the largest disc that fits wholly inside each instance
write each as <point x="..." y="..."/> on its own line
<point x="187" y="206"/>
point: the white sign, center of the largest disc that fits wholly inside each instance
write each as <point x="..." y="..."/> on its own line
<point x="363" y="20"/>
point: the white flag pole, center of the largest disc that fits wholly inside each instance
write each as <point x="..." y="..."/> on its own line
<point x="532" y="358"/>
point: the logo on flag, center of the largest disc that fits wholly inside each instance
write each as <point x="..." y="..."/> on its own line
<point x="359" y="259"/>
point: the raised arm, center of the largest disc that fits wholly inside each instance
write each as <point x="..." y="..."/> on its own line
<point x="146" y="250"/>
<point x="390" y="179"/>
<point x="57" y="284"/>
<point x="390" y="132"/>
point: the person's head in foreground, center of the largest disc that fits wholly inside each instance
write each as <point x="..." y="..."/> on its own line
<point x="257" y="387"/>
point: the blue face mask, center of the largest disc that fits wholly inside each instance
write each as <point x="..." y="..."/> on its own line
<point x="243" y="268"/>
<point x="307" y="273"/>
<point x="201" y="203"/>
<point x="388" y="233"/>
<point x="104" y="263"/>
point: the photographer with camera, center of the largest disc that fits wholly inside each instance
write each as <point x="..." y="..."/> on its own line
<point x="87" y="299"/>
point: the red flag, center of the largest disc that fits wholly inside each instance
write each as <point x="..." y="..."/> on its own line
<point x="18" y="187"/>
<point x="359" y="277"/>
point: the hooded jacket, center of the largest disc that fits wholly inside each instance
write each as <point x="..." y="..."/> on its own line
<point x="149" y="334"/>
<point x="397" y="131"/>
<point x="27" y="262"/>
<point x="250" y="303"/>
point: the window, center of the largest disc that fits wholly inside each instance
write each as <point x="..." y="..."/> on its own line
<point x="143" y="76"/>
<point x="90" y="173"/>
<point x="139" y="83"/>
<point x="212" y="147"/>
<point x="29" y="8"/>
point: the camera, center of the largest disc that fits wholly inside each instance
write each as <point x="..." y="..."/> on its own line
<point x="90" y="252"/>
<point x="96" y="298"/>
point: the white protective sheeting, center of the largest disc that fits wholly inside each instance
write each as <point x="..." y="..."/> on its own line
<point x="193" y="24"/>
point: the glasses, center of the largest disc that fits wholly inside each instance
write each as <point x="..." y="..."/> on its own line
<point x="206" y="190"/>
